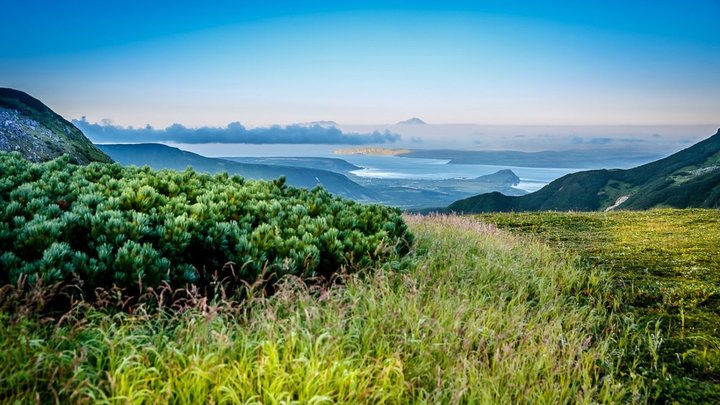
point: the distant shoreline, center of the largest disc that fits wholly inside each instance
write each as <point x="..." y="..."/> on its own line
<point x="372" y="151"/>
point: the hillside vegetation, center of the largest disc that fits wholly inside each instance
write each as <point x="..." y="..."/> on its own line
<point x="31" y="128"/>
<point x="191" y="288"/>
<point x="104" y="226"/>
<point x="329" y="164"/>
<point x="687" y="179"/>
<point x="666" y="263"/>
<point x="472" y="315"/>
<point x="331" y="174"/>
<point x="165" y="157"/>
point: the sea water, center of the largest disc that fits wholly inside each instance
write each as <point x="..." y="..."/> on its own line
<point x="388" y="167"/>
<point x="394" y="167"/>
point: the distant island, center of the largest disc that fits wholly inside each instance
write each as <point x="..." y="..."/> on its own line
<point x="322" y="123"/>
<point x="371" y="151"/>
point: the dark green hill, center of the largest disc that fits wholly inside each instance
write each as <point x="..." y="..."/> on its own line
<point x="331" y="164"/>
<point x="28" y="126"/>
<point x="689" y="178"/>
<point x="165" y="157"/>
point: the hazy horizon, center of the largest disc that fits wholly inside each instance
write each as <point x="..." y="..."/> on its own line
<point x="529" y="138"/>
<point x="362" y="64"/>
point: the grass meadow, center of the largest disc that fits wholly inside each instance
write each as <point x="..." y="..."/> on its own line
<point x="666" y="263"/>
<point x="473" y="314"/>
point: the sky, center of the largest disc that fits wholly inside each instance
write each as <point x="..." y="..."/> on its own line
<point x="369" y="63"/>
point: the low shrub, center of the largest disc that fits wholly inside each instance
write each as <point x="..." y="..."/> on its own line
<point x="105" y="226"/>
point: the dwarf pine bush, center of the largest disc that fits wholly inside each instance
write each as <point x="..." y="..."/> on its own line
<point x="107" y="226"/>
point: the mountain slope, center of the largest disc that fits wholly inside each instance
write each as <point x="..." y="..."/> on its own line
<point x="330" y="164"/>
<point x="689" y="178"/>
<point x="165" y="157"/>
<point x="28" y="126"/>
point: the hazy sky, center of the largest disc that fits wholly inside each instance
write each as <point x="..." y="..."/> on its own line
<point x="261" y="63"/>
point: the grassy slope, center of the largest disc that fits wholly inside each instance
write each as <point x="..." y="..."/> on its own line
<point x="667" y="182"/>
<point x="667" y="262"/>
<point x="472" y="315"/>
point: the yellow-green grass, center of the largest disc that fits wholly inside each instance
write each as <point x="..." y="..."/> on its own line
<point x="667" y="263"/>
<point x="472" y="315"/>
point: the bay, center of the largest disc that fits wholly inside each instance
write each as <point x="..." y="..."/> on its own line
<point x="393" y="167"/>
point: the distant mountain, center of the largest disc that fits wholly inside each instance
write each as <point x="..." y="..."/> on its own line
<point x="421" y="194"/>
<point x="28" y="126"/>
<point x="573" y="159"/>
<point x="165" y="157"/>
<point x="330" y="164"/>
<point x="505" y="176"/>
<point x="689" y="178"/>
<point x="412" y="121"/>
<point x="577" y="159"/>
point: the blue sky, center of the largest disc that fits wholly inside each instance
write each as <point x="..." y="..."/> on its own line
<point x="362" y="63"/>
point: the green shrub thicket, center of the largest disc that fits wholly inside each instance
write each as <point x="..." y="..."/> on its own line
<point x="107" y="225"/>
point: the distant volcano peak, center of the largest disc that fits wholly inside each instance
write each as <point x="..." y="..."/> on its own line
<point x="412" y="121"/>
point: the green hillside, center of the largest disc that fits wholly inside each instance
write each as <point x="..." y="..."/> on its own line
<point x="333" y="174"/>
<point x="689" y="178"/>
<point x="331" y="164"/>
<point x="31" y="128"/>
<point x="165" y="157"/>
<point x="130" y="285"/>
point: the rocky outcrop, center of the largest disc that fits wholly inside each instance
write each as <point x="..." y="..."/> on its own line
<point x="29" y="127"/>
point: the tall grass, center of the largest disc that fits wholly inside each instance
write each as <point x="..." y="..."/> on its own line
<point x="665" y="263"/>
<point x="474" y="315"/>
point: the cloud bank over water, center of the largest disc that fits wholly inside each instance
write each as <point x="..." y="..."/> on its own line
<point x="106" y="131"/>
